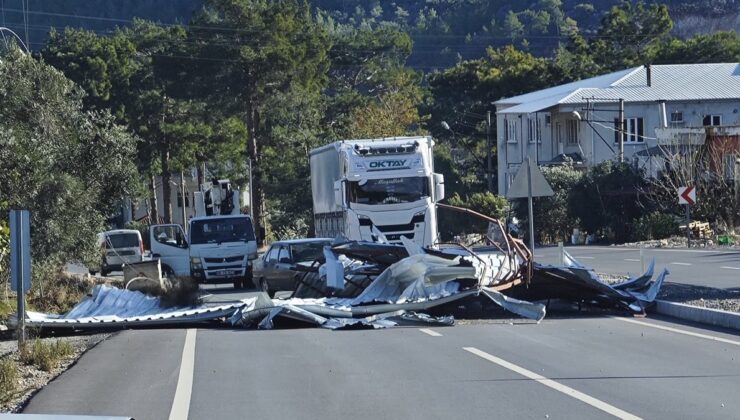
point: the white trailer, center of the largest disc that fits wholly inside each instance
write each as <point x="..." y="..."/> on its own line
<point x="365" y="189"/>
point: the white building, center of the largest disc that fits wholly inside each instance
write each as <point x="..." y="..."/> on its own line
<point x="580" y="120"/>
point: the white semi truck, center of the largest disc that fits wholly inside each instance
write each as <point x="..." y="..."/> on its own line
<point x="370" y="188"/>
<point x="220" y="245"/>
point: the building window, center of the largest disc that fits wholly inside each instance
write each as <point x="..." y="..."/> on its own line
<point x="179" y="199"/>
<point x="571" y="131"/>
<point x="534" y="131"/>
<point x="712" y="120"/>
<point x="634" y="130"/>
<point x="511" y="131"/>
<point x="676" y="117"/>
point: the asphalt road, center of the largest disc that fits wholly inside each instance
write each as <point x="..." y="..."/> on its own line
<point x="562" y="368"/>
<point x="698" y="267"/>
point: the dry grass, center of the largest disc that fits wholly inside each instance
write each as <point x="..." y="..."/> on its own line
<point x="46" y="355"/>
<point x="8" y="379"/>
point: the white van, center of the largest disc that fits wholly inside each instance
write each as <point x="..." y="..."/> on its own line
<point x="118" y="247"/>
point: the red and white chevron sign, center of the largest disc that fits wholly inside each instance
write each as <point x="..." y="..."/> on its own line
<point x="686" y="195"/>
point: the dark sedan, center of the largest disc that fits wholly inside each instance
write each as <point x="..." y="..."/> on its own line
<point x="275" y="269"/>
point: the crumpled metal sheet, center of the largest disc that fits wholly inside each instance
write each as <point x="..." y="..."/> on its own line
<point x="109" y="306"/>
<point x="575" y="282"/>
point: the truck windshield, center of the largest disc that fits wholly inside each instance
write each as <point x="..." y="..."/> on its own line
<point x="217" y="230"/>
<point x="389" y="190"/>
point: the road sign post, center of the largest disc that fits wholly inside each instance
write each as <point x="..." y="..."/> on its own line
<point x="529" y="182"/>
<point x="20" y="265"/>
<point x="687" y="197"/>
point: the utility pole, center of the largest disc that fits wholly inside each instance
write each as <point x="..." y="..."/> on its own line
<point x="489" y="165"/>
<point x="184" y="202"/>
<point x="251" y="190"/>
<point x="621" y="130"/>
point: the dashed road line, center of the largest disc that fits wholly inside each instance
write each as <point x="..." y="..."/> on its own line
<point x="632" y="259"/>
<point x="730" y="268"/>
<point x="557" y="386"/>
<point x="430" y="332"/>
<point x="181" y="402"/>
<point x="679" y="331"/>
<point x="583" y="258"/>
<point x="680" y="263"/>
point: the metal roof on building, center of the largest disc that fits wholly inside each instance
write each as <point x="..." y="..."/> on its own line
<point x="670" y="82"/>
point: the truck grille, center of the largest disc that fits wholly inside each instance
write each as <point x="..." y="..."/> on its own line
<point x="238" y="258"/>
<point x="224" y="267"/>
<point x="396" y="237"/>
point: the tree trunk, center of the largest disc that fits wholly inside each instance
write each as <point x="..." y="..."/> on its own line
<point x="166" y="188"/>
<point x="153" y="213"/>
<point x="255" y="183"/>
<point x="201" y="175"/>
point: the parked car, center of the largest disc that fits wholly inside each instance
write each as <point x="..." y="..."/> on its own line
<point x="119" y="247"/>
<point x="275" y="269"/>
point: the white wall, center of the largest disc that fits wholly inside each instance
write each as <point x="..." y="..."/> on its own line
<point x="590" y="144"/>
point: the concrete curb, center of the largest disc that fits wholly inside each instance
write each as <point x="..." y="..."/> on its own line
<point x="707" y="316"/>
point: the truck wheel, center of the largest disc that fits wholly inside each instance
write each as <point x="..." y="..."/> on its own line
<point x="168" y="272"/>
<point x="103" y="272"/>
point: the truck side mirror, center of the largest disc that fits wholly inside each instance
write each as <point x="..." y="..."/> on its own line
<point x="439" y="187"/>
<point x="338" y="194"/>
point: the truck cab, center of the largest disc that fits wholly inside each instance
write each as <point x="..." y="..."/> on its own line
<point x="377" y="189"/>
<point x="219" y="249"/>
<point x="220" y="245"/>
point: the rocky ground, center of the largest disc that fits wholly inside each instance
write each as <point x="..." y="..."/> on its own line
<point x="680" y="242"/>
<point x="705" y="297"/>
<point x="30" y="378"/>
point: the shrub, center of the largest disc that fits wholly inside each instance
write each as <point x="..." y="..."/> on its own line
<point x="44" y="355"/>
<point x="552" y="221"/>
<point x="607" y="199"/>
<point x="655" y="225"/>
<point x="8" y="379"/>
<point x="453" y="223"/>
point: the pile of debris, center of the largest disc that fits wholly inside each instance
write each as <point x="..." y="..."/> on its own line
<point x="380" y="285"/>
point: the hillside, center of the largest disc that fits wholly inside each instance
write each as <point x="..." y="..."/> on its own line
<point x="443" y="30"/>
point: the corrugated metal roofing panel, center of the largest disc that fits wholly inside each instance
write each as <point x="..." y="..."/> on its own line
<point x="566" y="89"/>
<point x="670" y="82"/>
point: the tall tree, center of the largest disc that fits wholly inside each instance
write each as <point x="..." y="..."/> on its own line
<point x="258" y="48"/>
<point x="69" y="166"/>
<point x="627" y="32"/>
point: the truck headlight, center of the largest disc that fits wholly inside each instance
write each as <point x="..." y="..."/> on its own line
<point x="195" y="263"/>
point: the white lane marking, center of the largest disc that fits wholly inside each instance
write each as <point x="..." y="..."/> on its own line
<point x="653" y="249"/>
<point x="632" y="259"/>
<point x="181" y="403"/>
<point x="680" y="263"/>
<point x="583" y="257"/>
<point x="731" y="268"/>
<point x="430" y="332"/>
<point x="557" y="386"/>
<point x="679" y="331"/>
